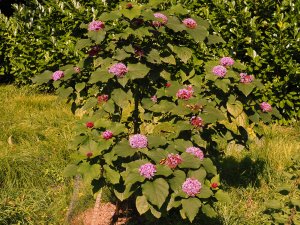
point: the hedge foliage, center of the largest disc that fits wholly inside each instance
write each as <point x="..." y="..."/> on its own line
<point x="264" y="35"/>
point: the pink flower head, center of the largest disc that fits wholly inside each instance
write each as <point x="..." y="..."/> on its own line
<point x="246" y="78"/>
<point x="89" y="124"/>
<point x="265" y="107"/>
<point x="226" y="61"/>
<point x="173" y="160"/>
<point x="190" y="23"/>
<point x="138" y="141"/>
<point x="197" y="121"/>
<point x="57" y="75"/>
<point x="196" y="152"/>
<point x="118" y="69"/>
<point x="102" y="98"/>
<point x="147" y="170"/>
<point x="107" y="134"/>
<point x="191" y="186"/>
<point x="77" y="69"/>
<point x="96" y="25"/>
<point x="154" y="98"/>
<point x="220" y="71"/>
<point x="185" y="93"/>
<point x="162" y="19"/>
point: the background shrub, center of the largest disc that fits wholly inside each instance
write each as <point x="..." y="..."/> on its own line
<point x="266" y="36"/>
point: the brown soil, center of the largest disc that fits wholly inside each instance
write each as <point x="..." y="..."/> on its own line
<point x="104" y="216"/>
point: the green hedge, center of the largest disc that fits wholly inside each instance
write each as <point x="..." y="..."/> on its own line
<point x="264" y="34"/>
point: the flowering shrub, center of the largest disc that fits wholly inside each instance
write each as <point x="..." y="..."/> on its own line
<point x="152" y="116"/>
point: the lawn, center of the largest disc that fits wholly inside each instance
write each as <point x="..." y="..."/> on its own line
<point x="35" y="132"/>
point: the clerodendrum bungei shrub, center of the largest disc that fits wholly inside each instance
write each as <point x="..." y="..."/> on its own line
<point x="153" y="110"/>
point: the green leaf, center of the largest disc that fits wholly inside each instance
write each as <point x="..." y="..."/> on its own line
<point x="191" y="207"/>
<point x="209" y="211"/>
<point x="113" y="15"/>
<point x="111" y="175"/>
<point x="132" y="13"/>
<point x="199" y="33"/>
<point x="154" y="57"/>
<point x="295" y="202"/>
<point x="121" y="54"/>
<point x="138" y="70"/>
<point x="142" y="205"/>
<point x="177" y="181"/>
<point x="97" y="36"/>
<point x="70" y="170"/>
<point x="131" y="177"/>
<point x="90" y="103"/>
<point x="157" y="155"/>
<point x="80" y="86"/>
<point x="174" y="24"/>
<point x="120" y="97"/>
<point x="169" y="59"/>
<point x="182" y="53"/>
<point x="235" y="109"/>
<point x="199" y="174"/>
<point x="215" y="39"/>
<point x="154" y="212"/>
<point x="209" y="166"/>
<point x="223" y="83"/>
<point x="246" y="89"/>
<point x="64" y="92"/>
<point x="123" y="195"/>
<point x="43" y="78"/>
<point x="163" y="170"/>
<point x="205" y="192"/>
<point x="178" y="9"/>
<point x="273" y="204"/>
<point x="89" y="172"/>
<point x="156" y="141"/>
<point x="123" y="149"/>
<point x="189" y="161"/>
<point x="82" y="43"/>
<point x="100" y="74"/>
<point x="156" y="192"/>
<point x="222" y="196"/>
<point x="181" y="145"/>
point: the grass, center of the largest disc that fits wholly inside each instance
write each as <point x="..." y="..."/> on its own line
<point x="35" y="132"/>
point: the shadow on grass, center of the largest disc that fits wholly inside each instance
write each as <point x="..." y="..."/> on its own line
<point x="174" y="218"/>
<point x="242" y="173"/>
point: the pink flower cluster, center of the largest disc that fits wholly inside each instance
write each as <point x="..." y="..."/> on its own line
<point x="138" y="141"/>
<point x="96" y="25"/>
<point x="190" y="23"/>
<point x="246" y="78"/>
<point x="196" y="121"/>
<point x="196" y="152"/>
<point x="191" y="186"/>
<point x="57" y="75"/>
<point x="173" y="160"/>
<point x="162" y="19"/>
<point x="185" y="93"/>
<point x="220" y="71"/>
<point x="107" y="134"/>
<point x="147" y="170"/>
<point x="118" y="69"/>
<point x="102" y="98"/>
<point x="265" y="107"/>
<point x="226" y="61"/>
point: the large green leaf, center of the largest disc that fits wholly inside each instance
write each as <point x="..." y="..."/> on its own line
<point x="138" y="70"/>
<point x="101" y="74"/>
<point x="205" y="192"/>
<point x="142" y="205"/>
<point x="111" y="175"/>
<point x="43" y="78"/>
<point x="121" y="54"/>
<point x="246" y="88"/>
<point x="189" y="161"/>
<point x="199" y="174"/>
<point x="123" y="195"/>
<point x="169" y="59"/>
<point x="209" y="166"/>
<point x="174" y="24"/>
<point x="209" y="211"/>
<point x="123" y="149"/>
<point x="89" y="172"/>
<point x="82" y="43"/>
<point x="64" y="92"/>
<point x="177" y="181"/>
<point x="70" y="170"/>
<point x="235" y="109"/>
<point x="132" y="13"/>
<point x="154" y="57"/>
<point x="182" y="53"/>
<point x="199" y="33"/>
<point x="97" y="36"/>
<point x="222" y="196"/>
<point x="156" y="191"/>
<point x="121" y="98"/>
<point x="215" y="39"/>
<point x="156" y="141"/>
<point x="191" y="207"/>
